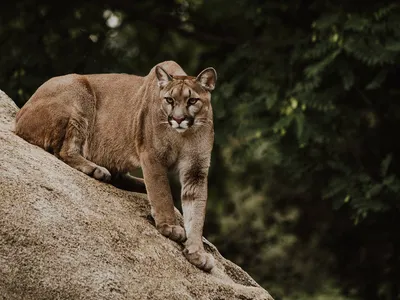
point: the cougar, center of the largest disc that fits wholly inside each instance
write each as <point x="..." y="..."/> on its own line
<point x="108" y="125"/>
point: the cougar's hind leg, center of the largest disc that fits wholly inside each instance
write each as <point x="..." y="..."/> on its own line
<point x="71" y="150"/>
<point x="128" y="182"/>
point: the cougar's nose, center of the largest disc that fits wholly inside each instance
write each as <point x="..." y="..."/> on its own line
<point x="178" y="119"/>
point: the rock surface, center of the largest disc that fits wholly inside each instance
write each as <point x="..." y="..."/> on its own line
<point x="64" y="235"/>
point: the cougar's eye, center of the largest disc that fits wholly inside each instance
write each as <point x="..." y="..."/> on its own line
<point x="192" y="101"/>
<point x="169" y="100"/>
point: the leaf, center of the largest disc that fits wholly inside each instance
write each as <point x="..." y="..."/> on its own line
<point x="299" y="118"/>
<point x="377" y="81"/>
<point x="357" y="23"/>
<point x="385" y="164"/>
<point x="374" y="191"/>
<point x="348" y="80"/>
<point x="271" y="100"/>
<point x="319" y="67"/>
<point x="393" y="46"/>
<point x="384" y="11"/>
<point x="389" y="180"/>
<point x="283" y="122"/>
<point x="392" y="183"/>
<point x="327" y="20"/>
<point x="335" y="187"/>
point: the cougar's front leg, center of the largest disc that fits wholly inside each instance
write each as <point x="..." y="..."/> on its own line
<point x="159" y="194"/>
<point x="194" y="198"/>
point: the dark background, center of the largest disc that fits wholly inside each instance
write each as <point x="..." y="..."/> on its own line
<point x="304" y="184"/>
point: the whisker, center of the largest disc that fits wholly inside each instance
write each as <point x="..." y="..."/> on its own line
<point x="164" y="112"/>
<point x="199" y="124"/>
<point x="202" y="122"/>
<point x="205" y="120"/>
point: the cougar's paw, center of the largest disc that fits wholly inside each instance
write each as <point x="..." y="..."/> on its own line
<point x="200" y="258"/>
<point x="101" y="173"/>
<point x="174" y="232"/>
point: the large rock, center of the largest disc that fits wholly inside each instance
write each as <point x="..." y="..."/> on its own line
<point x="64" y="235"/>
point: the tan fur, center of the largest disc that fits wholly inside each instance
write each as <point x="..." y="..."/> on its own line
<point x="110" y="124"/>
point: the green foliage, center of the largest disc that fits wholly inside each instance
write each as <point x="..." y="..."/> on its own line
<point x="323" y="104"/>
<point x="304" y="184"/>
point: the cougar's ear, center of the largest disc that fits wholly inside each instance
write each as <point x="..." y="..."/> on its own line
<point x="207" y="78"/>
<point x="162" y="77"/>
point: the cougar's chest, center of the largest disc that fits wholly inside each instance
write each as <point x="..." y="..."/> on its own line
<point x="169" y="151"/>
<point x="170" y="156"/>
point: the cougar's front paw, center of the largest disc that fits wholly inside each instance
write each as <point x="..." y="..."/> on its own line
<point x="101" y="173"/>
<point x="199" y="257"/>
<point x="174" y="232"/>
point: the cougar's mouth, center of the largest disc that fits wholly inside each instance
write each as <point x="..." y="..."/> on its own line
<point x="180" y="124"/>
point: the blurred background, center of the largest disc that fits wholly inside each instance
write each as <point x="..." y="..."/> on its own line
<point x="304" y="184"/>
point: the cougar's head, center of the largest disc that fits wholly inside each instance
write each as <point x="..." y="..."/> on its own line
<point x="185" y="100"/>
